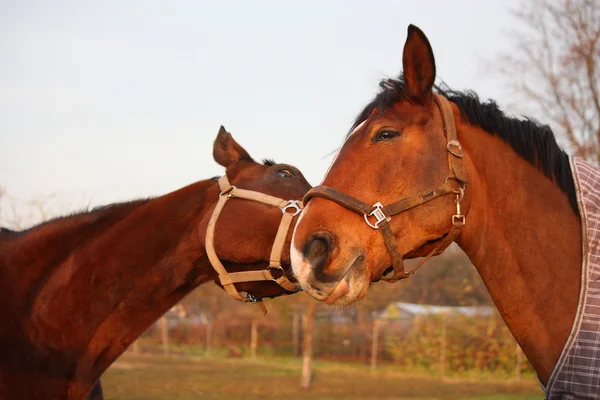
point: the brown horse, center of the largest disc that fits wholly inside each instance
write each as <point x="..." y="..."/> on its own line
<point x="425" y="169"/>
<point x="78" y="290"/>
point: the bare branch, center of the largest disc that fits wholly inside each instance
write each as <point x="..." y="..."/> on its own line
<point x="554" y="65"/>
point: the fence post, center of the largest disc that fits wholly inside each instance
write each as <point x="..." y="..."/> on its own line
<point x="136" y="347"/>
<point x="519" y="361"/>
<point x="375" y="344"/>
<point x="164" y="329"/>
<point x="296" y="334"/>
<point x="253" y="338"/>
<point x="209" y="328"/>
<point x="307" y="344"/>
<point x="443" y="347"/>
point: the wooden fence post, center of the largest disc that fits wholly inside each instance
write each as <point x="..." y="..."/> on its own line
<point x="307" y="344"/>
<point x="164" y="328"/>
<point x="253" y="338"/>
<point x="443" y="347"/>
<point x="136" y="347"/>
<point x="375" y="344"/>
<point x="209" y="328"/>
<point x="519" y="362"/>
<point x="296" y="334"/>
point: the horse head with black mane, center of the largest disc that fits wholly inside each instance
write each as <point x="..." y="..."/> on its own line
<point x="422" y="168"/>
<point x="78" y="290"/>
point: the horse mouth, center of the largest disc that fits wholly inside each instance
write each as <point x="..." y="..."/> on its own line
<point x="340" y="290"/>
<point x="344" y="290"/>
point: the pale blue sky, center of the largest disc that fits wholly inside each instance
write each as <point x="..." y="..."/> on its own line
<point x="111" y="100"/>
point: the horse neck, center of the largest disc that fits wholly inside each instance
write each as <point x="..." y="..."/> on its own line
<point x="524" y="238"/>
<point x="121" y="273"/>
<point x="30" y="255"/>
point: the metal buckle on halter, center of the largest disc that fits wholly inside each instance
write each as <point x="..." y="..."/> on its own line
<point x="252" y="299"/>
<point x="459" y="215"/>
<point x="453" y="147"/>
<point x="292" y="204"/>
<point x="228" y="192"/>
<point x="378" y="214"/>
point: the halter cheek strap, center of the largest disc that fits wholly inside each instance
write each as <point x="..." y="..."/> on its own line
<point x="289" y="209"/>
<point x="378" y="216"/>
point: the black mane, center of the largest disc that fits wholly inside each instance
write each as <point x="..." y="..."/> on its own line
<point x="533" y="141"/>
<point x="269" y="162"/>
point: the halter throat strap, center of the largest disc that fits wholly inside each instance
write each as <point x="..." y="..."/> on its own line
<point x="289" y="209"/>
<point x="378" y="216"/>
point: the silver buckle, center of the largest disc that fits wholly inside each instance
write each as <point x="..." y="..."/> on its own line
<point x="454" y="148"/>
<point x="378" y="214"/>
<point x="252" y="299"/>
<point x="292" y="204"/>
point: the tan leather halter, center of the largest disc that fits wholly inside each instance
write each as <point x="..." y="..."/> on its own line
<point x="378" y="216"/>
<point x="289" y="209"/>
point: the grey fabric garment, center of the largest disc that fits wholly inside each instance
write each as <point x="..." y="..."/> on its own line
<point x="577" y="372"/>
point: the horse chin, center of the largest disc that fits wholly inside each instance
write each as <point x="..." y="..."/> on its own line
<point x="352" y="286"/>
<point x="351" y="289"/>
<point x="358" y="283"/>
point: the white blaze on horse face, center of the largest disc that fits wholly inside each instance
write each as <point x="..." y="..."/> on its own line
<point x="342" y="146"/>
<point x="299" y="266"/>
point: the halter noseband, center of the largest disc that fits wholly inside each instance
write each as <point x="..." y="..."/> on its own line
<point x="289" y="209"/>
<point x="378" y="216"/>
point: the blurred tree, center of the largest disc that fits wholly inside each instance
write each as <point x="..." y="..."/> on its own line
<point x="448" y="279"/>
<point x="19" y="214"/>
<point x="554" y="63"/>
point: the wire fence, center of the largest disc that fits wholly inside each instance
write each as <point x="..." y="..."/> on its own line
<point x="440" y="344"/>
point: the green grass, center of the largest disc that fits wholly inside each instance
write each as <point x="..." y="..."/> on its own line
<point x="183" y="378"/>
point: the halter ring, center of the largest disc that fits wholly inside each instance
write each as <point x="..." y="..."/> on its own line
<point x="280" y="268"/>
<point x="292" y="204"/>
<point x="228" y="191"/>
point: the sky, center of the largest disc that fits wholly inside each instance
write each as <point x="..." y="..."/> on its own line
<point x="108" y="101"/>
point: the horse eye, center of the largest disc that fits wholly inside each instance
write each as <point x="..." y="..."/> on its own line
<point x="284" y="173"/>
<point x="386" y="135"/>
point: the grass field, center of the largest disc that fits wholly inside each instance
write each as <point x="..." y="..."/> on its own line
<point x="156" y="377"/>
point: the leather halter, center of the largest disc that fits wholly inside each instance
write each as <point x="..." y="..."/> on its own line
<point x="289" y="209"/>
<point x="378" y="216"/>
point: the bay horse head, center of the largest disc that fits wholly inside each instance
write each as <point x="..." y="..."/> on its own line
<point x="400" y="169"/>
<point x="259" y="197"/>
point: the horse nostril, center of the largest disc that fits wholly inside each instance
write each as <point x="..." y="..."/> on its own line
<point x="317" y="250"/>
<point x="318" y="246"/>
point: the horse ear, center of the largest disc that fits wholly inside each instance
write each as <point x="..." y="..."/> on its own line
<point x="227" y="151"/>
<point x="419" y="65"/>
